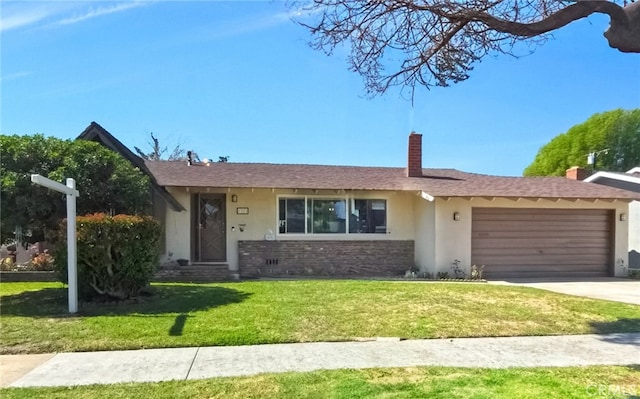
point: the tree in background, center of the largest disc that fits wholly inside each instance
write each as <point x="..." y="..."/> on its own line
<point x="157" y="151"/>
<point x="436" y="42"/>
<point x="614" y="135"/>
<point x="178" y="154"/>
<point x="106" y="181"/>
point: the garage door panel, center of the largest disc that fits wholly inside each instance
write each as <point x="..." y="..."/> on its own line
<point x="531" y="268"/>
<point x="533" y="234"/>
<point x="565" y="242"/>
<point x="546" y="226"/>
<point x="540" y="211"/>
<point x="543" y="213"/>
<point x="542" y="260"/>
<point x="543" y="218"/>
<point x="514" y="242"/>
<point x="480" y="251"/>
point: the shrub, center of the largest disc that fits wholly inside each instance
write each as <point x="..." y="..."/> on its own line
<point x="42" y="261"/>
<point x="442" y="275"/>
<point x="117" y="255"/>
<point x="6" y="264"/>
<point x="457" y="270"/>
<point x="476" y="272"/>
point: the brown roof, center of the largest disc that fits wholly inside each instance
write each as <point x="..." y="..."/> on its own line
<point x="435" y="182"/>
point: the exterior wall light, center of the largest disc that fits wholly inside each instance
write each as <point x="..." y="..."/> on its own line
<point x="456" y="216"/>
<point x="234" y="198"/>
<point x="623" y="217"/>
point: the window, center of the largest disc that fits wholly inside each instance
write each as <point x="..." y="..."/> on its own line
<point x="311" y="215"/>
<point x="368" y="216"/>
<point x="291" y="215"/>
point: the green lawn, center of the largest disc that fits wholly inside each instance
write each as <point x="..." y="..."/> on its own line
<point x="422" y="382"/>
<point x="34" y="316"/>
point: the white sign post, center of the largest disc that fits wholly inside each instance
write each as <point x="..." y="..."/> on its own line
<point x="72" y="264"/>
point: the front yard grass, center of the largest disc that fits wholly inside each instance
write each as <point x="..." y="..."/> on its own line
<point x="420" y="382"/>
<point x="34" y="318"/>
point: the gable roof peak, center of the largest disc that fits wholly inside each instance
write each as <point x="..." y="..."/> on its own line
<point x="95" y="132"/>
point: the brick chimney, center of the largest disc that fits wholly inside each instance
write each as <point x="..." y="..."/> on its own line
<point x="577" y="173"/>
<point x="414" y="161"/>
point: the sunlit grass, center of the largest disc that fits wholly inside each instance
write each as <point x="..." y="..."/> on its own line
<point x="417" y="382"/>
<point x="34" y="318"/>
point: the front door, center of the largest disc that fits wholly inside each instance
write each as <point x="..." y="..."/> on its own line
<point x="209" y="225"/>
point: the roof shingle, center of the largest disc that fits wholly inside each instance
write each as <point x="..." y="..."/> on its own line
<point x="435" y="182"/>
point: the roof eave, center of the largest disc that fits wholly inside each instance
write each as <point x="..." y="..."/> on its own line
<point x="518" y="198"/>
<point x="615" y="176"/>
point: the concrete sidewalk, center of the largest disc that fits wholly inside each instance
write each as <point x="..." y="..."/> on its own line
<point x="83" y="368"/>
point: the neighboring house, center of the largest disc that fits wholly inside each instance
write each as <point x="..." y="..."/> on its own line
<point x="628" y="181"/>
<point x="269" y="220"/>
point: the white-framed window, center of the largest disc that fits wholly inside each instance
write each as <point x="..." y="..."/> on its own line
<point x="331" y="215"/>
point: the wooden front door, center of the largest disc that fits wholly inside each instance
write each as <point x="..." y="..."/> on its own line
<point x="210" y="228"/>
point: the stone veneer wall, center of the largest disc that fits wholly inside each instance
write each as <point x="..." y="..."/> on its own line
<point x="325" y="258"/>
<point x="201" y="273"/>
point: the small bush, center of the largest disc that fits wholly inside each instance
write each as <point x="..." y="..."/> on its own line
<point x="6" y="264"/>
<point x="42" y="261"/>
<point x="476" y="272"/>
<point x="457" y="270"/>
<point x="425" y="275"/>
<point x="442" y="275"/>
<point x="117" y="255"/>
<point x="410" y="274"/>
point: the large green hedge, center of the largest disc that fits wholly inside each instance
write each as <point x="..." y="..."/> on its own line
<point x="107" y="182"/>
<point x="117" y="255"/>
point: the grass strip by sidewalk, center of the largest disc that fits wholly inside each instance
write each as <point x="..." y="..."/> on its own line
<point x="421" y="382"/>
<point x="34" y="318"/>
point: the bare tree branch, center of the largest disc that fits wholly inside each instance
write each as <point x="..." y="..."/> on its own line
<point x="156" y="150"/>
<point x="554" y="21"/>
<point x="411" y="43"/>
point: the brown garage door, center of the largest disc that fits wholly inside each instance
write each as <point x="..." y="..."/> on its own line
<point x="546" y="243"/>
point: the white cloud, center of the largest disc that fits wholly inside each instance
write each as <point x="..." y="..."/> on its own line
<point x="18" y="15"/>
<point x="250" y="25"/>
<point x="15" y="75"/>
<point x="100" y="11"/>
<point x="24" y="14"/>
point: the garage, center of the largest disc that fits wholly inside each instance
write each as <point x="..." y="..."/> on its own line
<point x="542" y="243"/>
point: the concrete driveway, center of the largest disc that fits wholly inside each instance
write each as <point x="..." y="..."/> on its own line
<point x="612" y="289"/>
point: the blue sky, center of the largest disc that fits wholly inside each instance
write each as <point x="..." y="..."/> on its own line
<point x="237" y="78"/>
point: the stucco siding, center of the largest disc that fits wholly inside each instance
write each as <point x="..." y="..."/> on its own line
<point x="453" y="238"/>
<point x="178" y="228"/>
<point x="634" y="234"/>
<point x="425" y="237"/>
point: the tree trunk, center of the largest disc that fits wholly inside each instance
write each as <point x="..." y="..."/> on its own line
<point x="626" y="36"/>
